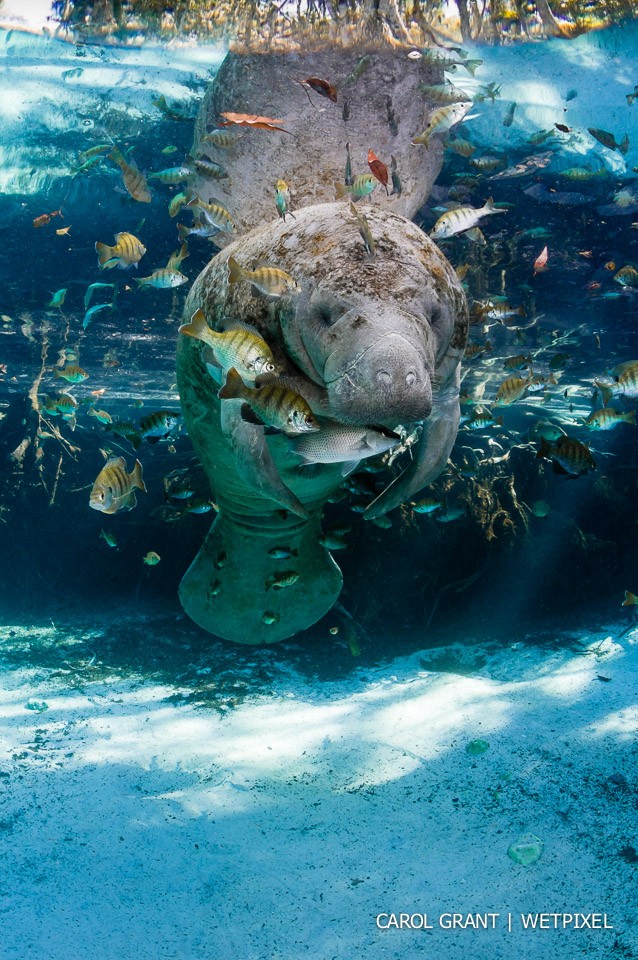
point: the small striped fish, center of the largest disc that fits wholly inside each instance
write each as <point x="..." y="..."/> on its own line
<point x="222" y="139"/>
<point x="268" y="280"/>
<point x="626" y="376"/>
<point x="444" y="94"/>
<point x="72" y="373"/>
<point x="134" y="179"/>
<point x="607" y="418"/>
<point x="114" y="487"/>
<point x="215" y="212"/>
<point x="271" y="403"/>
<point x="512" y="389"/>
<point x="240" y="347"/>
<point x="126" y="251"/>
<point x="157" y="425"/>
<point x="361" y="186"/>
<point x="208" y="168"/>
<point x="442" y="120"/>
<point x="162" y="279"/>
<point x="178" y="201"/>
<point x="172" y="174"/>
<point x="461" y="147"/>
<point x="461" y="219"/>
<point x="568" y="455"/>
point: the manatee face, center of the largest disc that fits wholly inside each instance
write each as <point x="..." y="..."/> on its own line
<point x="385" y="383"/>
<point x="375" y="360"/>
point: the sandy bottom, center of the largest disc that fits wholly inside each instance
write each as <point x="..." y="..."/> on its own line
<point x="250" y="808"/>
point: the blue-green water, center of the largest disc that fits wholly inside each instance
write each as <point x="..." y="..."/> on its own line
<point x="164" y="793"/>
<point x="61" y="100"/>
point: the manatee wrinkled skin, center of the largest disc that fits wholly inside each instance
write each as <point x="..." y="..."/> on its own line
<point x="374" y="341"/>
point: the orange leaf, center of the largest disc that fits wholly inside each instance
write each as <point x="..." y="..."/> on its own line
<point x="251" y="120"/>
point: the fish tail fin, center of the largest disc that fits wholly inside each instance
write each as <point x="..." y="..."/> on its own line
<point x="136" y="477"/>
<point x="499" y="421"/>
<point x="183" y="231"/>
<point x="116" y="156"/>
<point x="490" y="208"/>
<point x="630" y="599"/>
<point x="630" y="417"/>
<point x="340" y="191"/>
<point x="197" y="328"/>
<point x="57" y="373"/>
<point x="235" y="272"/>
<point x="544" y="449"/>
<point x="605" y="391"/>
<point x="104" y="252"/>
<point x="471" y="66"/>
<point x="234" y="388"/>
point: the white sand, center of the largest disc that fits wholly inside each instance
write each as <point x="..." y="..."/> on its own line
<point x="136" y="826"/>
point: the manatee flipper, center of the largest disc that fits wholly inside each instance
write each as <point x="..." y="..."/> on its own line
<point x="435" y="444"/>
<point x="253" y="459"/>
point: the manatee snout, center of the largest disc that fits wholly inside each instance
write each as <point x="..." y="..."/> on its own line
<point x="389" y="383"/>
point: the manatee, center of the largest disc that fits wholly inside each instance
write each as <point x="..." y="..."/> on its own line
<point x="369" y="341"/>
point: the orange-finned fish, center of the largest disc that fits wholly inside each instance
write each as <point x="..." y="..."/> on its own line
<point x="251" y="120"/>
<point x="378" y="169"/>
<point x="133" y="178"/>
<point x="44" y="218"/>
<point x="631" y="600"/>
<point x="540" y="264"/>
<point x="322" y="87"/>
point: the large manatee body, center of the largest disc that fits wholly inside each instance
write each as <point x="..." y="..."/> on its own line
<point x="370" y="341"/>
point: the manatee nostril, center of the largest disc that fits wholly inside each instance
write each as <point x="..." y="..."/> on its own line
<point x="384" y="377"/>
<point x="410" y="378"/>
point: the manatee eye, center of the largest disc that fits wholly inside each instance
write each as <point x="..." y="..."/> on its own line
<point x="410" y="378"/>
<point x="384" y="377"/>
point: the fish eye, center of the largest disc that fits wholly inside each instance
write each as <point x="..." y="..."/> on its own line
<point x="610" y="266"/>
<point x="270" y="368"/>
<point x="87" y="122"/>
